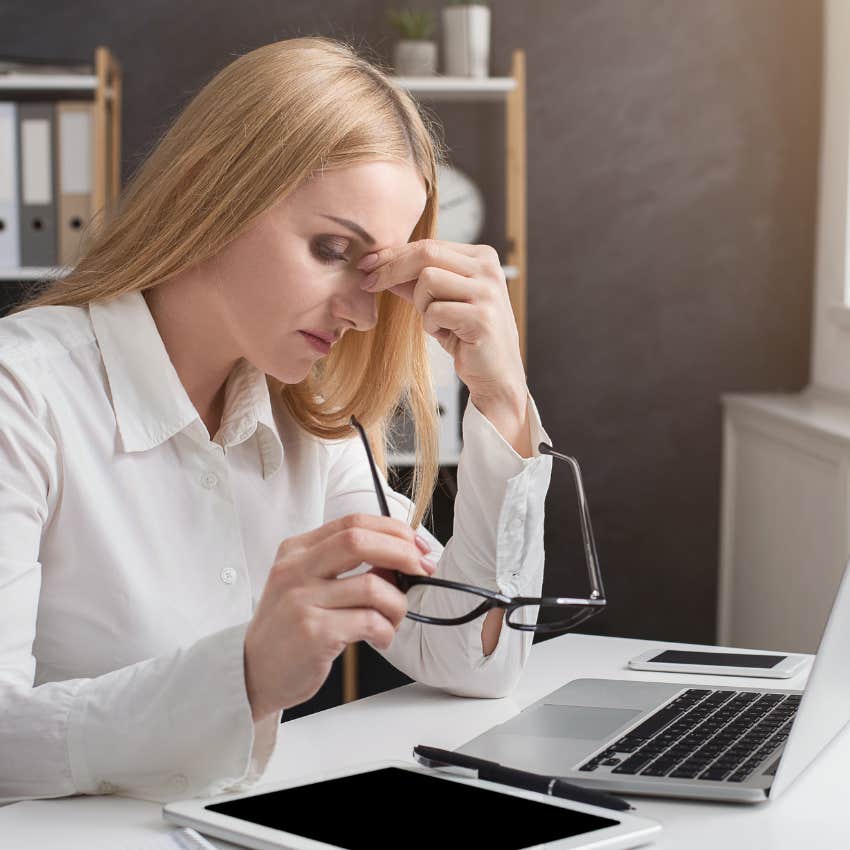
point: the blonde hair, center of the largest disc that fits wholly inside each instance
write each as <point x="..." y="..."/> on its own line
<point x="264" y="124"/>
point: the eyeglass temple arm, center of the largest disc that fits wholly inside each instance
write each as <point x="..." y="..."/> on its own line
<point x="594" y="573"/>
<point x="379" y="490"/>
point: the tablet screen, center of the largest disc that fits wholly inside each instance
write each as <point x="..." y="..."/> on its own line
<point x="392" y="808"/>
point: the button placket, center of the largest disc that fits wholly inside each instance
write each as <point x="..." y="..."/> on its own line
<point x="213" y="476"/>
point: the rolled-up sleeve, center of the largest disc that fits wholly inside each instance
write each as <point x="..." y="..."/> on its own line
<point x="496" y="543"/>
<point x="173" y="726"/>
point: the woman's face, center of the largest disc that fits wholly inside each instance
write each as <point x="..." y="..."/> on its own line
<point x="295" y="269"/>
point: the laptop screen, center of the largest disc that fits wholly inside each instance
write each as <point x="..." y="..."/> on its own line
<point x="825" y="708"/>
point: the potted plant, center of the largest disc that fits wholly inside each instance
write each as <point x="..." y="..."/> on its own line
<point x="466" y="39"/>
<point x="414" y="54"/>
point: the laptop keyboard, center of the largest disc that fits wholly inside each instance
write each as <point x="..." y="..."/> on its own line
<point x="704" y="734"/>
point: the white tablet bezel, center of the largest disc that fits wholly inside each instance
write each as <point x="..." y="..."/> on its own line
<point x="632" y="831"/>
<point x="786" y="668"/>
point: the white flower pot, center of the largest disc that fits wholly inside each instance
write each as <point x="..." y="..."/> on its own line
<point x="415" y="58"/>
<point x="466" y="41"/>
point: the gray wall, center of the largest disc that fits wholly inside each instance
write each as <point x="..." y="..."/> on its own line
<point x="672" y="176"/>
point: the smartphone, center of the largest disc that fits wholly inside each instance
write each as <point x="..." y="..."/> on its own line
<point x="720" y="663"/>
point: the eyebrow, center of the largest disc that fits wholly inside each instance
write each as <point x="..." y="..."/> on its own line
<point x="353" y="226"/>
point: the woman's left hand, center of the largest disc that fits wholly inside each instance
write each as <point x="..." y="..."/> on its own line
<point x="461" y="292"/>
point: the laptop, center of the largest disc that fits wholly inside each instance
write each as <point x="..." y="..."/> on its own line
<point x="744" y="744"/>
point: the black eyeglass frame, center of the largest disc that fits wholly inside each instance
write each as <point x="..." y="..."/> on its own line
<point x="583" y="608"/>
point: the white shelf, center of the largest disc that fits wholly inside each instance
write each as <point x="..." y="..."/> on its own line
<point x="35" y="82"/>
<point x="38" y="272"/>
<point x="409" y="459"/>
<point x="458" y="88"/>
<point x="33" y="272"/>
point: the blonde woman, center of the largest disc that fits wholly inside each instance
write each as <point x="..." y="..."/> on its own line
<point x="180" y="487"/>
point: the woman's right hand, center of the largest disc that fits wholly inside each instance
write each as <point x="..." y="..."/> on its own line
<point x="306" y="615"/>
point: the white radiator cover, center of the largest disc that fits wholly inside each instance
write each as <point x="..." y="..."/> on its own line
<point x="785" y="518"/>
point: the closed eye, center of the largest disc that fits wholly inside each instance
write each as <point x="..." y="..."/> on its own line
<point x="326" y="254"/>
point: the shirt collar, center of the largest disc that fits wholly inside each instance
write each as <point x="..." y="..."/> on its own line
<point x="150" y="402"/>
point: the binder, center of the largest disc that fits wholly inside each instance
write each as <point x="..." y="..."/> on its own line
<point x="37" y="183"/>
<point x="10" y="253"/>
<point x="447" y="388"/>
<point x="75" y="159"/>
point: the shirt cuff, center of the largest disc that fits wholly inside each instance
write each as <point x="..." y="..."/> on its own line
<point x="498" y="527"/>
<point x="500" y="453"/>
<point x="265" y="733"/>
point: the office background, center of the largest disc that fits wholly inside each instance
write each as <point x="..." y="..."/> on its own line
<point x="672" y="177"/>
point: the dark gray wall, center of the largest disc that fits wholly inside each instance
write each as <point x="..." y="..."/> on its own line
<point x="672" y="176"/>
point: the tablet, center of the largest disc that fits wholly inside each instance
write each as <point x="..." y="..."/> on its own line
<point x="394" y="804"/>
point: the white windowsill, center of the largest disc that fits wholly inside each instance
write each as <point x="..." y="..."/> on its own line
<point x="815" y="410"/>
<point x="840" y="314"/>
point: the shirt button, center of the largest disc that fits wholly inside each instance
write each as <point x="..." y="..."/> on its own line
<point x="179" y="782"/>
<point x="228" y="575"/>
<point x="105" y="788"/>
<point x="516" y="522"/>
<point x="209" y="480"/>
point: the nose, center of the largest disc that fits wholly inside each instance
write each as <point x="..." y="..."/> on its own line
<point x="356" y="306"/>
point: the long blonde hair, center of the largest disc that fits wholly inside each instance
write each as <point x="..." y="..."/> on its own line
<point x="261" y="126"/>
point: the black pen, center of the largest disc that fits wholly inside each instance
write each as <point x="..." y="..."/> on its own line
<point x="494" y="772"/>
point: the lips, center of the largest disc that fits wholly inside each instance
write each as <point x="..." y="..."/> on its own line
<point x="319" y="343"/>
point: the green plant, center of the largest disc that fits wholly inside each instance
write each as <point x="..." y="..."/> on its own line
<point x="467" y="2"/>
<point x="410" y="24"/>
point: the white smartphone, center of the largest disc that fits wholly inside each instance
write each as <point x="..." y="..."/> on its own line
<point x="720" y="663"/>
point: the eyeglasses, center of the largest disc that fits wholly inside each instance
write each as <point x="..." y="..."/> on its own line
<point x="432" y="598"/>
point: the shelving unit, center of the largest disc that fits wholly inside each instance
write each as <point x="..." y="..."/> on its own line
<point x="104" y="87"/>
<point x="511" y="91"/>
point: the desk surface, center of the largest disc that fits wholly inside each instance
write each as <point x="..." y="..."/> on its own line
<point x="386" y="726"/>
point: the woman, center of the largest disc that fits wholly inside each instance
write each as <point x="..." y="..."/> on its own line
<point x="180" y="488"/>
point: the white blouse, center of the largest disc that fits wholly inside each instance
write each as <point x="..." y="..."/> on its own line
<point x="134" y="549"/>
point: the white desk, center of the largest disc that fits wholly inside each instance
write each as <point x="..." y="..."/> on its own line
<point x="811" y="815"/>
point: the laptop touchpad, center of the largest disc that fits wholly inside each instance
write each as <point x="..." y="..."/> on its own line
<point x="589" y="723"/>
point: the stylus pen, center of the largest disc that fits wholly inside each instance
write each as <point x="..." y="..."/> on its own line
<point x="494" y="772"/>
<point x="188" y="839"/>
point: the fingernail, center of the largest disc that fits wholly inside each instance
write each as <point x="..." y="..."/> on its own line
<point x="368" y="262"/>
<point x="428" y="566"/>
<point x="422" y="543"/>
<point x="369" y="280"/>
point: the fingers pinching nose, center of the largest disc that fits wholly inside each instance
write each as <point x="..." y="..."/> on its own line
<point x="368" y="262"/>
